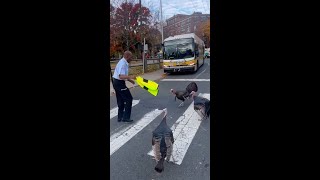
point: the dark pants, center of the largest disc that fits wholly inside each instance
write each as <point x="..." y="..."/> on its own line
<point x="124" y="99"/>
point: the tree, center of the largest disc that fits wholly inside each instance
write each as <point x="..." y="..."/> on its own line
<point x="206" y="32"/>
<point x="153" y="38"/>
<point x="203" y="32"/>
<point x="129" y="23"/>
<point x="153" y="35"/>
<point x="114" y="45"/>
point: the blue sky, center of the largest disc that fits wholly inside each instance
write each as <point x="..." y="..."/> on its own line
<point x="172" y="7"/>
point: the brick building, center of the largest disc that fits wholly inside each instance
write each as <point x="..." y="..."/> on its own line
<point x="182" y="24"/>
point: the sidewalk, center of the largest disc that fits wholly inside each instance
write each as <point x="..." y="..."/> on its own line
<point x="154" y="76"/>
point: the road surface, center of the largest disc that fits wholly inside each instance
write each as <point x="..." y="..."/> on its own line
<point x="130" y="143"/>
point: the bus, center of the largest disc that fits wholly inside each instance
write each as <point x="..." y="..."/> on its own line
<point x="183" y="53"/>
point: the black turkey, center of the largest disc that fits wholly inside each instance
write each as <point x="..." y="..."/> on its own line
<point x="201" y="105"/>
<point x="162" y="143"/>
<point x="184" y="94"/>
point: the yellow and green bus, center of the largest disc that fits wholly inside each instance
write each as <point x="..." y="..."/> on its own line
<point x="183" y="53"/>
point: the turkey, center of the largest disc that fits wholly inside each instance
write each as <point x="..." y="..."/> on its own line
<point x="184" y="94"/>
<point x="162" y="143"/>
<point x="201" y="105"/>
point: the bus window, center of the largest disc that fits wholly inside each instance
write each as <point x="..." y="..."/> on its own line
<point x="179" y="49"/>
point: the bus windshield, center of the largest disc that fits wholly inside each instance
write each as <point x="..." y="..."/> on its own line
<point x="178" y="49"/>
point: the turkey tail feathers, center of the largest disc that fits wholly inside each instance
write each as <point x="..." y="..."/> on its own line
<point x="159" y="167"/>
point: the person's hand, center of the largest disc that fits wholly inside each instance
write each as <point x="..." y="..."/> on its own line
<point x="132" y="81"/>
<point x="133" y="77"/>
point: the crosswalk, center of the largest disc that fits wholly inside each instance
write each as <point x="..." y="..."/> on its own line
<point x="114" y="111"/>
<point x="184" y="130"/>
<point x="120" y="138"/>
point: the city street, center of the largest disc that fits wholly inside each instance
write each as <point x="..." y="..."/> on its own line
<point x="130" y="143"/>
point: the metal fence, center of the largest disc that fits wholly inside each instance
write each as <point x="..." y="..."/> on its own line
<point x="138" y="62"/>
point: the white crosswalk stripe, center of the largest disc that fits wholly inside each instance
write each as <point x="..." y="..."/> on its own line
<point x="184" y="131"/>
<point x="114" y="111"/>
<point x="120" y="138"/>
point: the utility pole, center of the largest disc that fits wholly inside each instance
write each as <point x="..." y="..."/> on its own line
<point x="143" y="59"/>
<point x="140" y="24"/>
<point x="161" y="21"/>
<point x="127" y="29"/>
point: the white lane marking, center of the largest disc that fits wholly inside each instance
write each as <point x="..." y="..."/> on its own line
<point x="184" y="130"/>
<point x="114" y="111"/>
<point x="120" y="138"/>
<point x="200" y="73"/>
<point x="185" y="80"/>
<point x="120" y="127"/>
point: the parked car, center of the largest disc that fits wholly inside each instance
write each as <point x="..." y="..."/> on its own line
<point x="207" y="52"/>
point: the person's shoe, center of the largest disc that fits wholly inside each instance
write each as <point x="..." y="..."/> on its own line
<point x="119" y="120"/>
<point x="127" y="120"/>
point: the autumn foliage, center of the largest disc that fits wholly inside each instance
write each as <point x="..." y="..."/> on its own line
<point x="204" y="32"/>
<point x="129" y="24"/>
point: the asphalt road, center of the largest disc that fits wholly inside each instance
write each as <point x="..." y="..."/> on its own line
<point x="132" y="162"/>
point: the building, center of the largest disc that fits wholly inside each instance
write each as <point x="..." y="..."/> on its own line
<point x="182" y="24"/>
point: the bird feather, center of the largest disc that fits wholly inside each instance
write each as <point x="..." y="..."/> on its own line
<point x="156" y="148"/>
